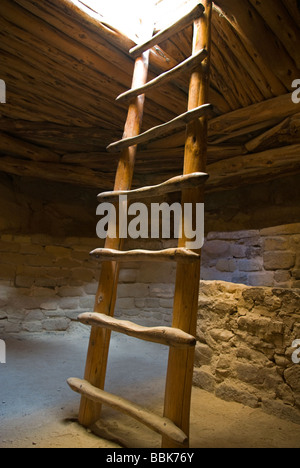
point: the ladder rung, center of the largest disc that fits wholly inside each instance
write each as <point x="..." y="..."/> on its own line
<point x="188" y="65"/>
<point x="167" y="336"/>
<point x="175" y="184"/>
<point x="158" y="424"/>
<point x="180" y="255"/>
<point x="165" y="34"/>
<point x="162" y="130"/>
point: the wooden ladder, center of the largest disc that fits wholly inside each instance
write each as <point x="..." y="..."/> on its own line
<point x="174" y="426"/>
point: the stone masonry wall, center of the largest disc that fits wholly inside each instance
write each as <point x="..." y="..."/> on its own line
<point x="266" y="257"/>
<point x="245" y="333"/>
<point x="45" y="283"/>
<point x="244" y="351"/>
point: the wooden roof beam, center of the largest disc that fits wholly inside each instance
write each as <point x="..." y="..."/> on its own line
<point x="252" y="28"/>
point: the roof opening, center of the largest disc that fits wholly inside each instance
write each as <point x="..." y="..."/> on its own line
<point x="130" y="16"/>
<point x="125" y="16"/>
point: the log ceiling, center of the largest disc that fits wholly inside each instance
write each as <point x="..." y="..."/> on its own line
<point x="63" y="70"/>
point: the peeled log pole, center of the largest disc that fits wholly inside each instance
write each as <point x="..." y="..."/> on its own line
<point x="172" y="185"/>
<point x="162" y="335"/>
<point x="188" y="65"/>
<point x="181" y="362"/>
<point x="98" y="350"/>
<point x="160" y="425"/>
<point x="196" y="12"/>
<point x="161" y="130"/>
<point x="168" y="255"/>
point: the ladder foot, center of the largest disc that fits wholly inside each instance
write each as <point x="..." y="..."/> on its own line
<point x="161" y="425"/>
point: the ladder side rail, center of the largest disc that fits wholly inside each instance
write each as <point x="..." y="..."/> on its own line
<point x="98" y="349"/>
<point x="181" y="362"/>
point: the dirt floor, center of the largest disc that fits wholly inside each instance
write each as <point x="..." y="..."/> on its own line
<point x="38" y="410"/>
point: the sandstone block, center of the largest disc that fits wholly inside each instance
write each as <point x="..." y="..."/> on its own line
<point x="126" y="303"/>
<point x="34" y="249"/>
<point x="87" y="302"/>
<point x="264" y="278"/>
<point x="45" y="282"/>
<point x="281" y="230"/>
<point x="282" y="276"/>
<point x="24" y="281"/>
<point x="128" y="276"/>
<point x="203" y="378"/>
<point x="22" y="239"/>
<point x="232" y="392"/>
<point x="91" y="288"/>
<point x="296" y="274"/>
<point x="140" y="302"/>
<point x="67" y="291"/>
<point x="238" y="251"/>
<point x="7" y="238"/>
<point x="236" y="235"/>
<point x="9" y="246"/>
<point x="133" y="290"/>
<point x="292" y="377"/>
<point x="7" y="272"/>
<point x="221" y="335"/>
<point x="57" y="251"/>
<point x="82" y="274"/>
<point x="166" y="303"/>
<point x="34" y="316"/>
<point x="281" y="410"/>
<point x="13" y="327"/>
<point x="163" y="291"/>
<point x="32" y="327"/>
<point x="249" y="373"/>
<point x="68" y="303"/>
<point x="276" y="243"/>
<point x="250" y="265"/>
<point x="156" y="273"/>
<point x="203" y="355"/>
<point x="279" y="260"/>
<point x="49" y="306"/>
<point x="226" y="265"/>
<point x="216" y="248"/>
<point x="42" y="292"/>
<point x="38" y="260"/>
<point x="56" y="324"/>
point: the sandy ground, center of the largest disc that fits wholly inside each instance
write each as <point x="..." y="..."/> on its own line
<point x="38" y="410"/>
